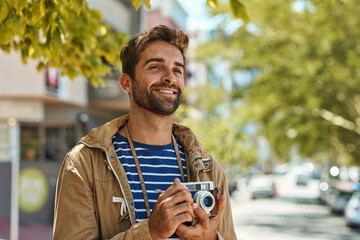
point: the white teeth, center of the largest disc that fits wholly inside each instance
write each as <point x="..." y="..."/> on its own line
<point x="166" y="91"/>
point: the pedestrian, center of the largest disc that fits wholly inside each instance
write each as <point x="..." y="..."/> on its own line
<point x="125" y="179"/>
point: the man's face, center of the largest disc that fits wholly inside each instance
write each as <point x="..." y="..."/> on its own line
<point x="159" y="78"/>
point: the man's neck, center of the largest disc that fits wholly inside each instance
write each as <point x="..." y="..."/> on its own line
<point x="149" y="128"/>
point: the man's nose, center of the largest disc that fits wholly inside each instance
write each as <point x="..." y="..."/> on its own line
<point x="169" y="76"/>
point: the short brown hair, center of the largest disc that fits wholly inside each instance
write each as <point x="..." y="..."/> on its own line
<point x="130" y="54"/>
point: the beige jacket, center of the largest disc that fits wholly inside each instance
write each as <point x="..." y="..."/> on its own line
<point x="93" y="197"/>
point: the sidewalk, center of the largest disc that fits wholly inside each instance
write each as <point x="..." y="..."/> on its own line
<point x="27" y="230"/>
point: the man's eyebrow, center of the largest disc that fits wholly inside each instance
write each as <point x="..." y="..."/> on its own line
<point x="180" y="65"/>
<point x="162" y="60"/>
<point x="154" y="60"/>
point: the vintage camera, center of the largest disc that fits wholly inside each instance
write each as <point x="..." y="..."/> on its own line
<point x="202" y="194"/>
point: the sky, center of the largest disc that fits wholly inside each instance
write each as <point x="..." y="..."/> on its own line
<point x="197" y="14"/>
<point x="198" y="18"/>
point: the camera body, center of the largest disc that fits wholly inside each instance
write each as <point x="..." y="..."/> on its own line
<point x="202" y="194"/>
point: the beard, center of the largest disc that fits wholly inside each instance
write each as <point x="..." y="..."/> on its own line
<point x="153" y="103"/>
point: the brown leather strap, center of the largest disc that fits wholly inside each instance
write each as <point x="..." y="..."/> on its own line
<point x="178" y="158"/>
<point x="141" y="178"/>
<point x="138" y="168"/>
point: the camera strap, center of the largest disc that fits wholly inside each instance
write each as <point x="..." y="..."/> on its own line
<point x="138" y="168"/>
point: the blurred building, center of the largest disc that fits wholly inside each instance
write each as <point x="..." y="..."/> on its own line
<point x="53" y="112"/>
<point x="165" y="12"/>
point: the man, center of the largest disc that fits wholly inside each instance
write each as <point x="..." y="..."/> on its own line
<point x="122" y="181"/>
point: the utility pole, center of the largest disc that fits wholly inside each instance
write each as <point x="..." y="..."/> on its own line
<point x="14" y="139"/>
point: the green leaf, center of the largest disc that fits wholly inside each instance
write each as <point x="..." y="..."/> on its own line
<point x="212" y="3"/>
<point x="6" y="34"/>
<point x="4" y="10"/>
<point x="239" y="10"/>
<point x="31" y="51"/>
<point x="41" y="66"/>
<point x="6" y="48"/>
<point x="42" y="8"/>
<point x="11" y="3"/>
<point x="137" y="4"/>
<point x="18" y="5"/>
<point x="147" y="4"/>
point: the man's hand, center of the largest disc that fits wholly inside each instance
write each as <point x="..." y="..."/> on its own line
<point x="173" y="207"/>
<point x="206" y="228"/>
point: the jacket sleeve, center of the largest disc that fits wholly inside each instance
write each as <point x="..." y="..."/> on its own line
<point x="75" y="215"/>
<point x="137" y="231"/>
<point x="226" y="226"/>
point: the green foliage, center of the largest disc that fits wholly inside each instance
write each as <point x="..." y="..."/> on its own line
<point x="65" y="34"/>
<point x="237" y="8"/>
<point x="212" y="3"/>
<point x="220" y="132"/>
<point x="137" y="3"/>
<point x="239" y="11"/>
<point x="307" y="92"/>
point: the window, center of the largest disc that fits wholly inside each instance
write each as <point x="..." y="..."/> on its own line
<point x="46" y="142"/>
<point x="30" y="143"/>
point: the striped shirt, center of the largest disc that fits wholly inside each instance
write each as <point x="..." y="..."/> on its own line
<point x="158" y="165"/>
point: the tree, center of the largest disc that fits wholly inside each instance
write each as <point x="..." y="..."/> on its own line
<point x="67" y="34"/>
<point x="220" y="132"/>
<point x="307" y="90"/>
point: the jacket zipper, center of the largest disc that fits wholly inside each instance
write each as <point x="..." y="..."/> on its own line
<point x="116" y="176"/>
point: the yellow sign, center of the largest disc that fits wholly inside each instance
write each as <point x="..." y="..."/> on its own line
<point x="33" y="190"/>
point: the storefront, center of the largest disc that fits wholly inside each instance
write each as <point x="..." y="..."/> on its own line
<point x="48" y="110"/>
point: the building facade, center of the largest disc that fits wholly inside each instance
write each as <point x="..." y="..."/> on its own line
<point x="53" y="112"/>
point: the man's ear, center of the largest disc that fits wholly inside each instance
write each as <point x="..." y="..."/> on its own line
<point x="125" y="83"/>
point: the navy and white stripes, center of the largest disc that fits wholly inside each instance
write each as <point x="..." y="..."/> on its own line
<point x="158" y="165"/>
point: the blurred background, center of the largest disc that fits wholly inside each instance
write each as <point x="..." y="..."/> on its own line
<point x="273" y="92"/>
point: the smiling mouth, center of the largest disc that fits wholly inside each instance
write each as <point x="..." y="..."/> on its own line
<point x="166" y="91"/>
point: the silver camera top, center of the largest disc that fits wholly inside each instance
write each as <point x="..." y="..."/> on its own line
<point x="202" y="194"/>
<point x="199" y="186"/>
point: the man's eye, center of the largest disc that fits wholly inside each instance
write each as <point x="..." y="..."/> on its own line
<point x="154" y="67"/>
<point x="178" y="71"/>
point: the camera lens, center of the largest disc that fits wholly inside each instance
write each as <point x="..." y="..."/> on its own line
<point x="208" y="201"/>
<point x="205" y="200"/>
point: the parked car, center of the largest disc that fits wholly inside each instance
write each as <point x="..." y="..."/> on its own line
<point x="302" y="179"/>
<point x="341" y="200"/>
<point x="232" y="186"/>
<point x="262" y="186"/>
<point x="352" y="210"/>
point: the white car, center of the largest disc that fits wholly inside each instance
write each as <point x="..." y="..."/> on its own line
<point x="262" y="187"/>
<point x="352" y="210"/>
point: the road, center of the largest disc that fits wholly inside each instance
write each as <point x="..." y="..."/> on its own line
<point x="292" y="216"/>
<point x="280" y="219"/>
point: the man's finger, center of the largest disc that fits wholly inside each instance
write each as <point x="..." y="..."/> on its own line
<point x="174" y="188"/>
<point x="175" y="199"/>
<point x="220" y="207"/>
<point x="184" y="207"/>
<point x="200" y="213"/>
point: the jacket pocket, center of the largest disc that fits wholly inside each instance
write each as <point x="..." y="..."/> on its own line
<point x="120" y="208"/>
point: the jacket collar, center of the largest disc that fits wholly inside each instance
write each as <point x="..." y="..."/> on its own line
<point x="101" y="137"/>
<point x="196" y="155"/>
